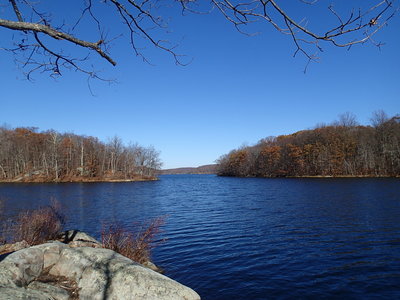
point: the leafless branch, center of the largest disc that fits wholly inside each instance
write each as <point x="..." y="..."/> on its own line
<point x="143" y="26"/>
<point x="55" y="34"/>
<point x="356" y="28"/>
<point x="88" y="9"/>
<point x="136" y="29"/>
<point x="16" y="10"/>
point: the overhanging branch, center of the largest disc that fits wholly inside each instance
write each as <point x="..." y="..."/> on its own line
<point x="58" y="35"/>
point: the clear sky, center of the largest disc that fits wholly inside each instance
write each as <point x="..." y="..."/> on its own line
<point x="236" y="90"/>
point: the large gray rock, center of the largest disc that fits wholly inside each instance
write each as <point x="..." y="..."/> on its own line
<point x="51" y="252"/>
<point x="51" y="291"/>
<point x="98" y="273"/>
<point x="15" y="293"/>
<point x="105" y="274"/>
<point x="21" y="267"/>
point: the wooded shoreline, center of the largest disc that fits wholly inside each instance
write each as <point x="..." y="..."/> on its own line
<point x="105" y="180"/>
<point x="78" y="180"/>
<point x="27" y="155"/>
<point x="317" y="176"/>
<point x="343" y="149"/>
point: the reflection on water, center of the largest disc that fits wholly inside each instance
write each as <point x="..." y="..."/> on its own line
<point x="235" y="238"/>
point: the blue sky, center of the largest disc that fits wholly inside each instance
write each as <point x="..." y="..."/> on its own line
<point x="236" y="90"/>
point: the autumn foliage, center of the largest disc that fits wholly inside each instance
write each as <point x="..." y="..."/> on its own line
<point x="29" y="155"/>
<point x="339" y="149"/>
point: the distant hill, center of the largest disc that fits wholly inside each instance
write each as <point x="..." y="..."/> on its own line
<point x="206" y="169"/>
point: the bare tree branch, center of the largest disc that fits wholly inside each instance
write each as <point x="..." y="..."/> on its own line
<point x="144" y="27"/>
<point x="58" y="35"/>
<point x="16" y="10"/>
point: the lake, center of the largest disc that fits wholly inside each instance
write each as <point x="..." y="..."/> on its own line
<point x="249" y="238"/>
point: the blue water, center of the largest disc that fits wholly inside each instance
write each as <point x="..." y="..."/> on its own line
<point x="250" y="238"/>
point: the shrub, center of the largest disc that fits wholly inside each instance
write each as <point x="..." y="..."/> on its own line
<point x="136" y="244"/>
<point x="3" y="227"/>
<point x="39" y="225"/>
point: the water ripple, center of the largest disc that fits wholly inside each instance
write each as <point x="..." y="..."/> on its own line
<point x="235" y="238"/>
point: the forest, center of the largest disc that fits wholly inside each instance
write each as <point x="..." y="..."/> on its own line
<point x="28" y="155"/>
<point x="342" y="148"/>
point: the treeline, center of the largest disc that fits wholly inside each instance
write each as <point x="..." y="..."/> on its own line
<point x="29" y="155"/>
<point x="343" y="148"/>
<point x="205" y="169"/>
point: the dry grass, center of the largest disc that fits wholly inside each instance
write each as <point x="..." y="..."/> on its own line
<point x="137" y="244"/>
<point x="46" y="223"/>
<point x="67" y="284"/>
<point x="38" y="226"/>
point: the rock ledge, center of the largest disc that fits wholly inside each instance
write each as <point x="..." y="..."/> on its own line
<point x="55" y="270"/>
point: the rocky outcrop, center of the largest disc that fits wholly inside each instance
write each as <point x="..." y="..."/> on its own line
<point x="76" y="238"/>
<point x="7" y="248"/>
<point x="57" y="271"/>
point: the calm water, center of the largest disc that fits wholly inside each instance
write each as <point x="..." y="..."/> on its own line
<point x="236" y="238"/>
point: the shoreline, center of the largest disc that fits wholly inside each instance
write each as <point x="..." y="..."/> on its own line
<point x="80" y="180"/>
<point x="318" y="176"/>
<point x="344" y="176"/>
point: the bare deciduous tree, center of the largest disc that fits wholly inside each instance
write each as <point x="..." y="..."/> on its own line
<point x="26" y="154"/>
<point x="346" y="119"/>
<point x="378" y="118"/>
<point x="47" y="42"/>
